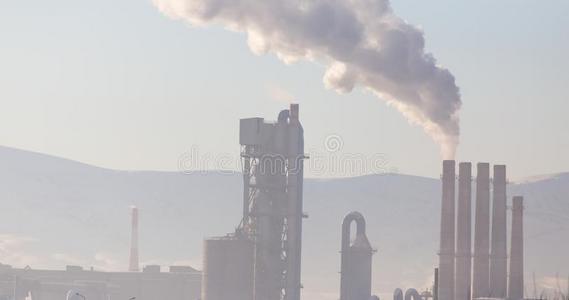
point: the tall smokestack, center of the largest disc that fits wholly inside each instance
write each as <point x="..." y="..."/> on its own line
<point x="446" y="253"/>
<point x="481" y="280"/>
<point x="464" y="233"/>
<point x="133" y="264"/>
<point x="516" y="286"/>
<point x="499" y="256"/>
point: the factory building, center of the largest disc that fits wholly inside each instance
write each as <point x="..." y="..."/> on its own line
<point x="181" y="282"/>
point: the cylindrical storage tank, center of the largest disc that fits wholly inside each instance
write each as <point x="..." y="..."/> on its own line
<point x="228" y="269"/>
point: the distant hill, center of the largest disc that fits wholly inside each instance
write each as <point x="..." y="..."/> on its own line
<point x="56" y="212"/>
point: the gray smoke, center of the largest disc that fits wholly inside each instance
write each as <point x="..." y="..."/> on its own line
<point x="362" y="42"/>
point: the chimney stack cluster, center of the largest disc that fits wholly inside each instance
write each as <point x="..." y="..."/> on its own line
<point x="462" y="275"/>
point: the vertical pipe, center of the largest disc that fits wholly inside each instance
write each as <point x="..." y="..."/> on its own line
<point x="516" y="285"/>
<point x="481" y="280"/>
<point x="412" y="294"/>
<point x="447" y="237"/>
<point x="398" y="294"/>
<point x="246" y="184"/>
<point x="499" y="255"/>
<point x="436" y="285"/>
<point x="295" y="156"/>
<point x="344" y="251"/>
<point x="464" y="233"/>
<point x="133" y="262"/>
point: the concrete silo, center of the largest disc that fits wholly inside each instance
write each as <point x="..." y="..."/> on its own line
<point x="228" y="269"/>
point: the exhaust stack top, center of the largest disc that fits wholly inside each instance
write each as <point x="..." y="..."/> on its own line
<point x="447" y="237"/>
<point x="294" y="112"/>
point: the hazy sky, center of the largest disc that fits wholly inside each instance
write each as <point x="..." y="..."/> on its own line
<point x="116" y="84"/>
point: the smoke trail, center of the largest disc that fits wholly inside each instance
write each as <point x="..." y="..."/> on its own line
<point x="362" y="42"/>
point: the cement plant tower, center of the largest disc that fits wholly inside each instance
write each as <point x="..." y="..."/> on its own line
<point x="272" y="155"/>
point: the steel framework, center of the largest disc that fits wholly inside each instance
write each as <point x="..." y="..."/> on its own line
<point x="272" y="164"/>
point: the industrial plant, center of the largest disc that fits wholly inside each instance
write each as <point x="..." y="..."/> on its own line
<point x="77" y="283"/>
<point x="157" y="150"/>
<point x="483" y="275"/>
<point x="261" y="258"/>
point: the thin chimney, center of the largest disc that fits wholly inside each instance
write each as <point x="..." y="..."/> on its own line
<point x="499" y="253"/>
<point x="447" y="238"/>
<point x="464" y="233"/>
<point x="133" y="264"/>
<point x="516" y="286"/>
<point x="481" y="280"/>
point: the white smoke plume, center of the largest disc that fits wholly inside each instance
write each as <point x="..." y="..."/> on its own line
<point x="362" y="42"/>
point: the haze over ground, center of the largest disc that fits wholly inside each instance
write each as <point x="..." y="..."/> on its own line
<point x="118" y="85"/>
<point x="79" y="214"/>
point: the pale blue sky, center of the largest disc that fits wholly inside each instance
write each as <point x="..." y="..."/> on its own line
<point x="118" y="85"/>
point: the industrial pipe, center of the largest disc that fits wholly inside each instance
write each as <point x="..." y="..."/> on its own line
<point x="398" y="294"/>
<point x="360" y="229"/>
<point x="412" y="294"/>
<point x="356" y="260"/>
